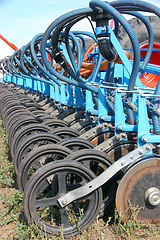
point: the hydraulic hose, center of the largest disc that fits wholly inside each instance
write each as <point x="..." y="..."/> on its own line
<point x="55" y="50"/>
<point x="125" y="5"/>
<point x="95" y="71"/>
<point x="67" y="33"/>
<point x="38" y="77"/>
<point x="150" y="38"/>
<point x="15" y="59"/>
<point x="71" y="15"/>
<point x="118" y="17"/>
<point x="105" y="46"/>
<point x="96" y="68"/>
<point x="83" y="41"/>
<point x="33" y="42"/>
<point x="155" y="118"/>
<point x="9" y="66"/>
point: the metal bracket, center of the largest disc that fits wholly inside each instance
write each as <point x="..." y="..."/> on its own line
<point x="90" y="134"/>
<point x="57" y="111"/>
<point x="83" y="123"/>
<point x="111" y="142"/>
<point x="105" y="176"/>
<point x="74" y="116"/>
<point x="67" y="112"/>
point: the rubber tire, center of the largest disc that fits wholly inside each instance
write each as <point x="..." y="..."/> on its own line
<point x="80" y="143"/>
<point x="30" y="195"/>
<point x="26" y="131"/>
<point x="28" y="143"/>
<point x="32" y="158"/>
<point x="65" y="132"/>
<point x="141" y="31"/>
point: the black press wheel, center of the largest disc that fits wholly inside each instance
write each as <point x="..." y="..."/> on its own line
<point x="47" y="185"/>
<point x="37" y="158"/>
<point x="31" y="142"/>
<point x="65" y="132"/>
<point x="55" y="123"/>
<point x="76" y="144"/>
<point x="98" y="162"/>
<point x="24" y="132"/>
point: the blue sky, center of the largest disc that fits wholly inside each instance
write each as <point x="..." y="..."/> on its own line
<point x="21" y="20"/>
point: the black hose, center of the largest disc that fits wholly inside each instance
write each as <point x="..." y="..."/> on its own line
<point x="116" y="15"/>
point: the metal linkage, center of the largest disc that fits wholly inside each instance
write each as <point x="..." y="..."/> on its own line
<point x="105" y="176"/>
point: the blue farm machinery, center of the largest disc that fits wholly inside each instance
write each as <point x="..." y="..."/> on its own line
<point x="81" y="110"/>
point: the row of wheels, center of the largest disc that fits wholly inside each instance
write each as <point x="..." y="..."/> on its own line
<point x="52" y="158"/>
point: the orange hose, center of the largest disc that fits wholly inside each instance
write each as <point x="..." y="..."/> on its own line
<point x="104" y="63"/>
<point x="87" y="67"/>
<point x="88" y="51"/>
<point x="10" y="44"/>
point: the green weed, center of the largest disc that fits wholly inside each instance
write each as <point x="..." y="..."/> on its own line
<point x="134" y="229"/>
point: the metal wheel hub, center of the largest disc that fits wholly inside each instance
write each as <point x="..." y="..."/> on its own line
<point x="152" y="196"/>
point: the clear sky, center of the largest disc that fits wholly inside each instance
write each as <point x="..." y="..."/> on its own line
<point x="21" y="20"/>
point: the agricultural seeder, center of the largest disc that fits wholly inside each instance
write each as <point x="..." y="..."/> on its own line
<point x="82" y="118"/>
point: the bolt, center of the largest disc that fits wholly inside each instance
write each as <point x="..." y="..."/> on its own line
<point x="86" y="136"/>
<point x="119" y="128"/>
<point x="132" y="157"/>
<point x="101" y="149"/>
<point x="110" y="144"/>
<point x="140" y="151"/>
<point x="123" y="135"/>
<point x="155" y="198"/>
<point x="122" y="163"/>
<point x="64" y="202"/>
<point x="144" y="139"/>
<point x="148" y="147"/>
<point x="117" y="138"/>
<point x="102" y="118"/>
<point x="102" y="29"/>
<point x="94" y="131"/>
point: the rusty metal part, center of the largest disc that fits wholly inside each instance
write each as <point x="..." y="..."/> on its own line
<point x="120" y="149"/>
<point x="97" y="134"/>
<point x="139" y="188"/>
<point x="58" y="111"/>
<point x="66" y="113"/>
<point x="73" y="117"/>
<point x="83" y="123"/>
<point x="102" y="137"/>
<point x="104" y="146"/>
